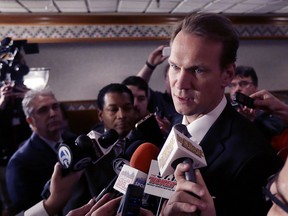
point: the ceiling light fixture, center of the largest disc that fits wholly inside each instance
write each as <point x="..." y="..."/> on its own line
<point x="37" y="78"/>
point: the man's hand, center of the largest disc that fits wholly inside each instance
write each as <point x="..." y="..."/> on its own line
<point x="9" y="90"/>
<point x="156" y="57"/>
<point x="183" y="202"/>
<point x="61" y="189"/>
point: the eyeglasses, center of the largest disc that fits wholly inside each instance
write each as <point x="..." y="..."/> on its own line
<point x="242" y="84"/>
<point x="269" y="196"/>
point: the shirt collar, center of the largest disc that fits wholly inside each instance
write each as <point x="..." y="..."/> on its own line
<point x="199" y="127"/>
<point x="51" y="143"/>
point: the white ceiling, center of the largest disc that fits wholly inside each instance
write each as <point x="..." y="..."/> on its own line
<point x="237" y="7"/>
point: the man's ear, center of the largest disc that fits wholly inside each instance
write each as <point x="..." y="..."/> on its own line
<point x="228" y="74"/>
<point x="29" y="120"/>
<point x="100" y="113"/>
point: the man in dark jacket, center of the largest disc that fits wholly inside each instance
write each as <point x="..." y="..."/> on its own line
<point x="31" y="166"/>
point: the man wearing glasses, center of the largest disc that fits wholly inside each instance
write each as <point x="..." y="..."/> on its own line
<point x="31" y="166"/>
<point x="246" y="82"/>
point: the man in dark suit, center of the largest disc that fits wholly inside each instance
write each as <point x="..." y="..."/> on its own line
<point x="32" y="164"/>
<point x="239" y="159"/>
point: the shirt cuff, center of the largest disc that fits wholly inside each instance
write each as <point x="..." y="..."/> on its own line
<point x="36" y="210"/>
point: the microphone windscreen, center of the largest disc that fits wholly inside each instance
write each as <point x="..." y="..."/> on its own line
<point x="182" y="129"/>
<point x="108" y="138"/>
<point x="141" y="159"/>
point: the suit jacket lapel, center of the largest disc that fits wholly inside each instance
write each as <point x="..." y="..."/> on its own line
<point x="212" y="143"/>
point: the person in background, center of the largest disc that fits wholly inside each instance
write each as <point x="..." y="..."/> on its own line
<point x="115" y="111"/>
<point x="13" y="126"/>
<point x="159" y="102"/>
<point x="246" y="82"/>
<point x="239" y="158"/>
<point x="13" y="131"/>
<point x="31" y="166"/>
<point x="140" y="90"/>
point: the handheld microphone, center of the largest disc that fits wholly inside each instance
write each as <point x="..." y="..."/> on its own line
<point x="160" y="186"/>
<point x="179" y="148"/>
<point x="136" y="173"/>
<point x="75" y="155"/>
<point x="131" y="180"/>
<point x="86" y="149"/>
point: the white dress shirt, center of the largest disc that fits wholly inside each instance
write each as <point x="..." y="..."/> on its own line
<point x="199" y="127"/>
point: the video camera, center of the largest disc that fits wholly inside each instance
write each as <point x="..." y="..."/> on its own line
<point x="12" y="64"/>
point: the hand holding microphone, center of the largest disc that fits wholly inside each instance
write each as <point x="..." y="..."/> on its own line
<point x="177" y="149"/>
<point x="184" y="189"/>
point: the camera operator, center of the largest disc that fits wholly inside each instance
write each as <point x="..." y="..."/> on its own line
<point x="13" y="126"/>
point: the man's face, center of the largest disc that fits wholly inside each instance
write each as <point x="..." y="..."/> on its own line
<point x="118" y="113"/>
<point x="196" y="79"/>
<point x="140" y="101"/>
<point x="46" y="118"/>
<point x="279" y="189"/>
<point x="243" y="85"/>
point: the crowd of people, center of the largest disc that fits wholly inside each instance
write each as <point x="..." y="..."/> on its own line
<point x="235" y="140"/>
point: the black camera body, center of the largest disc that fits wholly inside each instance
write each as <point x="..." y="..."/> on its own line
<point x="12" y="66"/>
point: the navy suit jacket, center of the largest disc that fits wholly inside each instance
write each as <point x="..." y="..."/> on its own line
<point x="28" y="171"/>
<point x="239" y="162"/>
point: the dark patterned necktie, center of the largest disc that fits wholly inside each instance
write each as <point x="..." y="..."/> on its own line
<point x="118" y="148"/>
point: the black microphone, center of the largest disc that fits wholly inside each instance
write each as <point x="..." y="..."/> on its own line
<point x="86" y="149"/>
<point x="139" y="153"/>
<point x="107" y="189"/>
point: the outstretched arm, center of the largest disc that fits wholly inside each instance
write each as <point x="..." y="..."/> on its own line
<point x="154" y="59"/>
<point x="264" y="100"/>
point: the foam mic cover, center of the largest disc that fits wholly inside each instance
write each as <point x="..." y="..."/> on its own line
<point x="108" y="138"/>
<point x="136" y="173"/>
<point x="182" y="129"/>
<point x="143" y="155"/>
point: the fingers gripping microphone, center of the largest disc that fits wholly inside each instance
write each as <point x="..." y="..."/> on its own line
<point x="86" y="149"/>
<point x="179" y="148"/>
